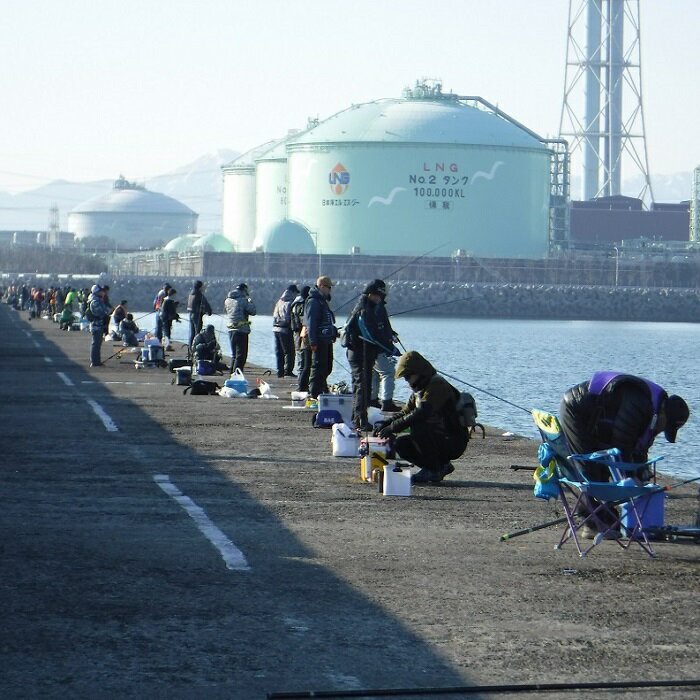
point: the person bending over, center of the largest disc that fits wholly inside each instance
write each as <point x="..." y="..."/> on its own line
<point x="436" y="436"/>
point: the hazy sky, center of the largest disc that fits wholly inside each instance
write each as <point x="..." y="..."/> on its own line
<point x="94" y="88"/>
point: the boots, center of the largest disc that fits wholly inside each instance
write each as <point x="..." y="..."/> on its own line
<point x="375" y="403"/>
<point x="390" y="407"/>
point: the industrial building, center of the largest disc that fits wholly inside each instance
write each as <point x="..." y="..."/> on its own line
<point x="132" y="216"/>
<point x="398" y="176"/>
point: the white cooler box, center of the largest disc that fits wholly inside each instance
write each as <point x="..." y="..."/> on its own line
<point x="342" y="403"/>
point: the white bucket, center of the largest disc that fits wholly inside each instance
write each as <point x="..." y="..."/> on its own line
<point x="299" y="398"/>
<point x="397" y="480"/>
<point x="345" y="442"/>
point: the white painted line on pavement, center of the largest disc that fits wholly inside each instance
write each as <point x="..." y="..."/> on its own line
<point x="29" y="334"/>
<point x="108" y="423"/>
<point x="233" y="557"/>
<point x="65" y="379"/>
<point x="36" y="345"/>
<point x="48" y="359"/>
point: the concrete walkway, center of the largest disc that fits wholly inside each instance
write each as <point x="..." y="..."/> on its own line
<point x="155" y="543"/>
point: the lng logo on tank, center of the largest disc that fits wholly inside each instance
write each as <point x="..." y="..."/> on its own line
<point x="339" y="179"/>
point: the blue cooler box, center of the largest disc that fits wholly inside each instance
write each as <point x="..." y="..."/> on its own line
<point x="651" y="512"/>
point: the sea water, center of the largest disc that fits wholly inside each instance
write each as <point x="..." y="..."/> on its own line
<point x="512" y="366"/>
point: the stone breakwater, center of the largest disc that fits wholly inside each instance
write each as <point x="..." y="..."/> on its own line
<point x="474" y="300"/>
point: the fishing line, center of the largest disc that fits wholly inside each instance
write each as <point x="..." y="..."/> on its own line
<point x="471" y="297"/>
<point x="395" y="272"/>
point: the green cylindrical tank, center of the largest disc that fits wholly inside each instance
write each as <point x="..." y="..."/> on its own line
<point x="402" y="176"/>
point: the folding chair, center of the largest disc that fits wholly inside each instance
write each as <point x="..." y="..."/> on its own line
<point x="600" y="505"/>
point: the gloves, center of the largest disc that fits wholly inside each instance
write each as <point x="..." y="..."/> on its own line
<point x="386" y="431"/>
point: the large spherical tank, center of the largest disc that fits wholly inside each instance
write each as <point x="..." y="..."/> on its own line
<point x="402" y="176"/>
<point x="287" y="237"/>
<point x="133" y="216"/>
<point x="214" y="243"/>
<point x="238" y="215"/>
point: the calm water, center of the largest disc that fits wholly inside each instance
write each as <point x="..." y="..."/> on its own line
<point x="532" y="363"/>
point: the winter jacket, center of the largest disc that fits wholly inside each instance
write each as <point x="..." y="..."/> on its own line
<point x="620" y="416"/>
<point x="319" y="319"/>
<point x="197" y="304"/>
<point x="99" y="311"/>
<point x="238" y="307"/>
<point x="433" y="401"/>
<point x="296" y="318"/>
<point x="282" y="313"/>
<point x="168" y="310"/>
<point x="369" y="323"/>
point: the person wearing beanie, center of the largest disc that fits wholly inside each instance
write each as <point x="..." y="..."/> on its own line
<point x="198" y="307"/>
<point x="301" y="345"/>
<point x="321" y="332"/>
<point x="282" y="331"/>
<point x="239" y="307"/>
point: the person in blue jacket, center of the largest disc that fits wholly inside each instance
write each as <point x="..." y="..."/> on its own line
<point x="319" y="322"/>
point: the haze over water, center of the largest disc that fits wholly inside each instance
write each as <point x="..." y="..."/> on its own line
<point x="532" y="363"/>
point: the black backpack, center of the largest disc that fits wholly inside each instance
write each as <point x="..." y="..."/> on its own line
<point x="202" y="388"/>
<point x="296" y="317"/>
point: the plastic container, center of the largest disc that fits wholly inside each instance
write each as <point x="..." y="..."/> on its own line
<point x="650" y="510"/>
<point x="238" y="382"/>
<point x="373" y="451"/>
<point x="299" y="398"/>
<point x="183" y="376"/>
<point x="397" y="480"/>
<point x="345" y="442"/>
<point x="342" y="403"/>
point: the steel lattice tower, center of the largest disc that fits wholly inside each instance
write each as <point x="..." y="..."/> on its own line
<point x="602" y="115"/>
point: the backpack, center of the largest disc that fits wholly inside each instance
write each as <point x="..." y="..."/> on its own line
<point x="202" y="388"/>
<point x="350" y="333"/>
<point x="296" y="317"/>
<point x="89" y="315"/>
<point x="466" y="410"/>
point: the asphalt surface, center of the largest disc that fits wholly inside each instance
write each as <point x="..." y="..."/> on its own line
<point x="160" y="544"/>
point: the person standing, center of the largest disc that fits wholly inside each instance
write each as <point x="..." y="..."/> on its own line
<point x="98" y="311"/>
<point x="168" y="314"/>
<point x="198" y="307"/>
<point x="157" y="302"/>
<point x="321" y="332"/>
<point x="282" y="330"/>
<point x="239" y="307"/>
<point x="362" y="349"/>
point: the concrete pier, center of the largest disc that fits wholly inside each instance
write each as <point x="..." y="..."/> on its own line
<point x="155" y="543"/>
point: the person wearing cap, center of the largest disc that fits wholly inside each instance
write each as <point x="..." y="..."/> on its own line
<point x="365" y="336"/>
<point x="98" y="311"/>
<point x="282" y="331"/>
<point x="198" y="307"/>
<point x="321" y="332"/>
<point x="613" y="409"/>
<point x="239" y="307"/>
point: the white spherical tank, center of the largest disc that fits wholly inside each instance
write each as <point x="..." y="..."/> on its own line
<point x="402" y="176"/>
<point x="132" y="216"/>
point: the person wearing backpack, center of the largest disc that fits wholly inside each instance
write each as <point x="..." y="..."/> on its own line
<point x="239" y="307"/>
<point x="282" y="330"/>
<point x="296" y="321"/>
<point x="364" y="338"/>
<point x="437" y="435"/>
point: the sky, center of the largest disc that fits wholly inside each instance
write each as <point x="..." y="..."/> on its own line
<point x="95" y="88"/>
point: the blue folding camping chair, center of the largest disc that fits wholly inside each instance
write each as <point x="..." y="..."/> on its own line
<point x="615" y="509"/>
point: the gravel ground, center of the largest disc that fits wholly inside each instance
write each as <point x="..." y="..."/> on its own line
<point x="110" y="586"/>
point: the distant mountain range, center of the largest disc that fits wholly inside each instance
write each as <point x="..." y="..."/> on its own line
<point x="199" y="185"/>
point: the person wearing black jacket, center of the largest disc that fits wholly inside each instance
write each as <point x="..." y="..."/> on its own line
<point x="365" y="338"/>
<point x="198" y="306"/>
<point x="168" y="314"/>
<point x="321" y="334"/>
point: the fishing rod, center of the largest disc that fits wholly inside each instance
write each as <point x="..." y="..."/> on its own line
<point x="395" y="272"/>
<point x="527" y="531"/>
<point x="428" y="306"/>
<point x="484" y="391"/>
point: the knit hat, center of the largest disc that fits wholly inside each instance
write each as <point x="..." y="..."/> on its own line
<point x="243" y="287"/>
<point x="677" y="413"/>
<point x="293" y="288"/>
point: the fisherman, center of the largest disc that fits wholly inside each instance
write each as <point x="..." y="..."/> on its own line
<point x="436" y="435"/>
<point x="118" y="315"/>
<point x="321" y="331"/>
<point x="198" y="307"/>
<point x="204" y="345"/>
<point x="97" y="311"/>
<point x="128" y="330"/>
<point x="365" y="336"/>
<point x="297" y="323"/>
<point x="282" y="330"/>
<point x="157" y="302"/>
<point x="67" y="318"/>
<point x="383" y="383"/>
<point x="239" y="307"/>
<point x="168" y="313"/>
